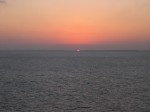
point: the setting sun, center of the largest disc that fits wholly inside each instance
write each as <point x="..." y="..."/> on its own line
<point x="74" y="55"/>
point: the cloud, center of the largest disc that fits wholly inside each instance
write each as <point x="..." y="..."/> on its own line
<point x="2" y="1"/>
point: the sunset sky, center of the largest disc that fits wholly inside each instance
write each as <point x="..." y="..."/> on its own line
<point x="75" y="24"/>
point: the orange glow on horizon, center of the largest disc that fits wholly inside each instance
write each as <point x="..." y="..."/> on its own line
<point x="75" y="22"/>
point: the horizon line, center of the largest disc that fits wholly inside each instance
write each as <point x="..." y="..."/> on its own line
<point x="81" y="50"/>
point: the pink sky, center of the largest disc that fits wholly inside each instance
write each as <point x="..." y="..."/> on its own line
<point x="71" y="24"/>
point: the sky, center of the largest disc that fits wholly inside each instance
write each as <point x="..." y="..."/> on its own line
<point x="75" y="24"/>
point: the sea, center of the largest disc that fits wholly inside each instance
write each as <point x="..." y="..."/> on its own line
<point x="71" y="81"/>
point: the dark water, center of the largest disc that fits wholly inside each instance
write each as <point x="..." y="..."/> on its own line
<point x="74" y="82"/>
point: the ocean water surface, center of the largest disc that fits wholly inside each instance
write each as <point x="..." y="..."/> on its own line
<point x="68" y="81"/>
